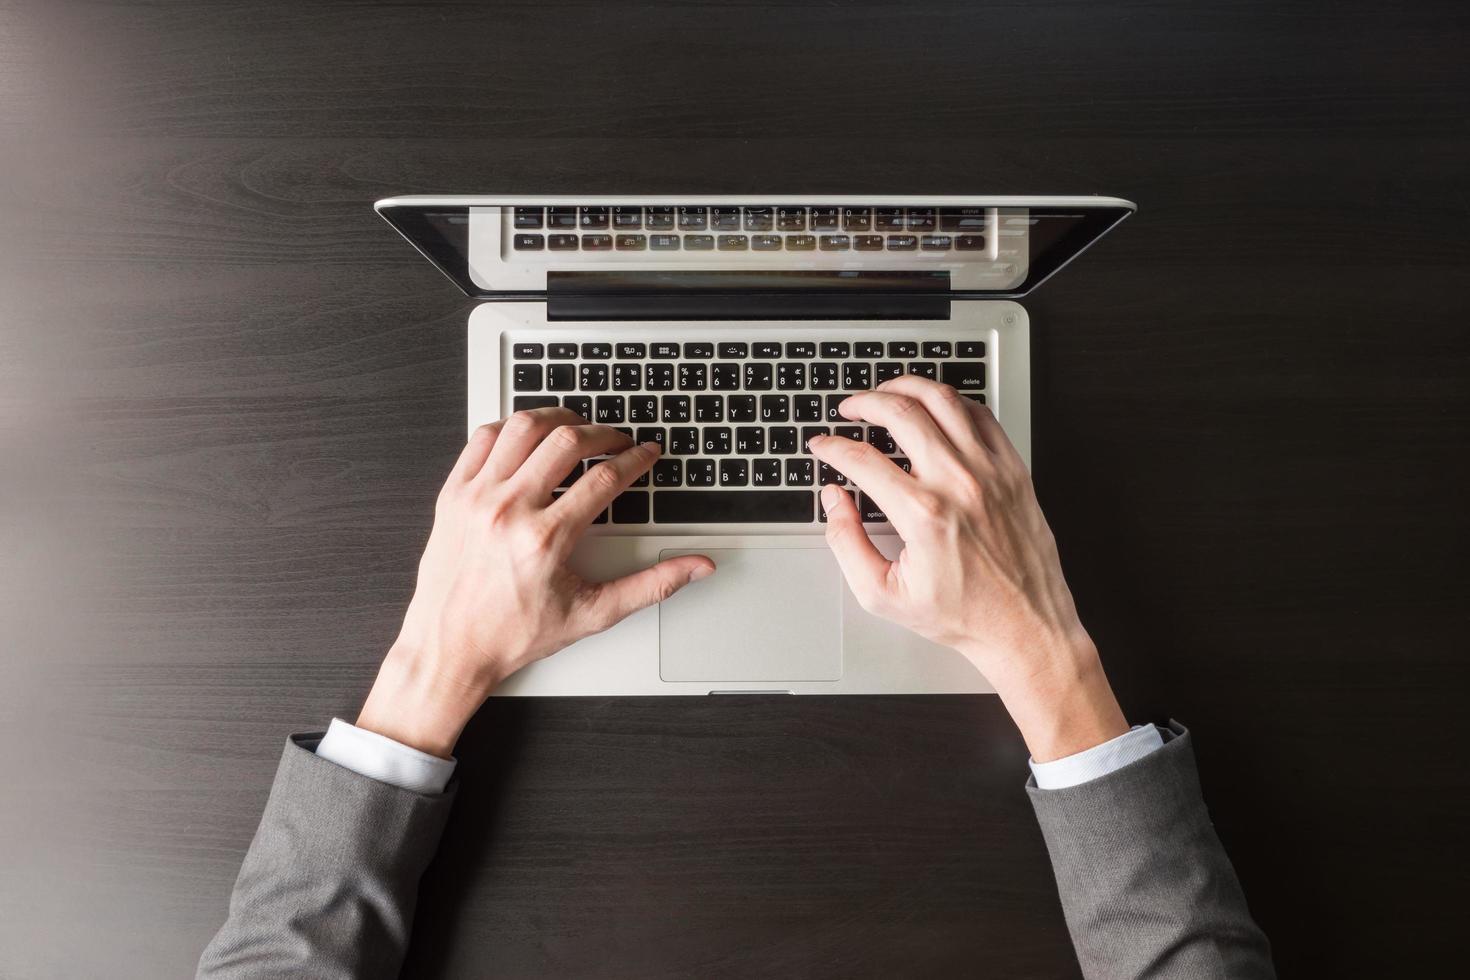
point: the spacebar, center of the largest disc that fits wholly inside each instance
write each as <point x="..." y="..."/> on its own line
<point x="732" y="506"/>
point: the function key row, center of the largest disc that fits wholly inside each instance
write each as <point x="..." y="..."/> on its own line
<point x="674" y="242"/>
<point x="764" y="349"/>
<point x="696" y="218"/>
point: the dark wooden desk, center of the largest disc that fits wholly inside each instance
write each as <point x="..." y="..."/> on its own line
<point x="230" y="392"/>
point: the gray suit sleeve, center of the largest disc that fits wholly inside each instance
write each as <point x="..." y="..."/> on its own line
<point x="329" y="883"/>
<point x="1146" y="887"/>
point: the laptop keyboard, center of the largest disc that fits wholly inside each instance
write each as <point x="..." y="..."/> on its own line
<point x="733" y="417"/>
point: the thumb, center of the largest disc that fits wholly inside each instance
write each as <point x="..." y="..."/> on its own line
<point x="612" y="602"/>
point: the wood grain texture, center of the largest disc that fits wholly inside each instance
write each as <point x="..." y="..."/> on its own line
<point x="228" y="394"/>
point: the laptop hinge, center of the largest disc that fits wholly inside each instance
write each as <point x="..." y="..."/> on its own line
<point x="721" y="295"/>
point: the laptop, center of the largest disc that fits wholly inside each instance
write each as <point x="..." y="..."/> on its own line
<point x="729" y="329"/>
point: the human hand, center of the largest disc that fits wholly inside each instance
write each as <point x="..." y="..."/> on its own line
<point x="494" y="592"/>
<point x="979" y="571"/>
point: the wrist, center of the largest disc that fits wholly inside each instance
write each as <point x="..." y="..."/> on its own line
<point x="1065" y="706"/>
<point x="415" y="704"/>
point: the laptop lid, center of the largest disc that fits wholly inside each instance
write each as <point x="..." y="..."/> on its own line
<point x="527" y="247"/>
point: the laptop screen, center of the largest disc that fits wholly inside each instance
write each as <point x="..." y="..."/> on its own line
<point x="966" y="247"/>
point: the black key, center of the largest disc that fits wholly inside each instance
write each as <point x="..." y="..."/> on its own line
<point x="757" y="377"/>
<point x="593" y="218"/>
<point x="790" y="376"/>
<point x="782" y="440"/>
<point x="684" y="441"/>
<point x="857" y="219"/>
<point x="835" y="243"/>
<point x="734" y="243"/>
<point x="750" y="440"/>
<point x="734" y="472"/>
<point x="823" y="376"/>
<point x="868" y="348"/>
<point x="857" y="375"/>
<point x="527" y="377"/>
<point x="766" y="243"/>
<point x="765" y="473"/>
<point x="642" y="408"/>
<point x="658" y="377"/>
<point x="530" y="243"/>
<point x="700" y="351"/>
<point x="596" y="243"/>
<point x="561" y="352"/>
<point x="709" y="408"/>
<point x="836" y="348"/>
<point x="807" y="431"/>
<point x="971" y="348"/>
<point x="775" y="408"/>
<point x="658" y="435"/>
<point x="561" y="377"/>
<point x="800" y="243"/>
<point x="610" y="409"/>
<point x="699" y="243"/>
<point x="738" y="507"/>
<point x="522" y="403"/>
<point x="767" y="348"/>
<point x="596" y="351"/>
<point x="658" y="219"/>
<point x="631" y="507"/>
<point x="693" y="219"/>
<point x="970" y="243"/>
<point x="627" y="377"/>
<point x="903" y="464"/>
<point x="902" y="243"/>
<point x="758" y="219"/>
<point x="668" y="472"/>
<point x="791" y="219"/>
<point x="530" y="217"/>
<point x="962" y="219"/>
<point x="922" y="369"/>
<point x="693" y="377"/>
<point x="799" y="471"/>
<point x="664" y="351"/>
<point x="725" y="219"/>
<point x="632" y="243"/>
<point x="741" y="408"/>
<point x="853" y="432"/>
<point x="884" y="370"/>
<point x="734" y="349"/>
<point x="630" y="218"/>
<point x="936" y="243"/>
<point x="632" y="350"/>
<point x="624" y="430"/>
<point x="664" y="243"/>
<point x="582" y="405"/>
<point x="888" y="219"/>
<point x="824" y="219"/>
<point x="571" y="477"/>
<point x="870" y="512"/>
<point x="699" y="472"/>
<point x="562" y="243"/>
<point x="882" y="440"/>
<point x="808" y="408"/>
<point x="964" y="375"/>
<point x="937" y="348"/>
<point x="833" y="401"/>
<point x="593" y="376"/>
<point x="561" y="217"/>
<point x="716" y="441"/>
<point x="920" y="219"/>
<point x="527" y="352"/>
<point x="903" y="348"/>
<point x="826" y="473"/>
<point x="868" y="243"/>
<point x="675" y="409"/>
<point x="724" y="377"/>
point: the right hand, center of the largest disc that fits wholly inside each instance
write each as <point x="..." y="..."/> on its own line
<point x="979" y="571"/>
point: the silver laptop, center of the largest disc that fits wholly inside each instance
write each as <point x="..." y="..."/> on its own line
<point x="729" y="329"/>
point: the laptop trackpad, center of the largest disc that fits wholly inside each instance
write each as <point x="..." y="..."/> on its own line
<point x="767" y="614"/>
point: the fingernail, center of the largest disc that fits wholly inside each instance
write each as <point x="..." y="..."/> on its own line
<point x="701" y="571"/>
<point x="829" y="495"/>
<point x="652" y="447"/>
<point x="814" y="440"/>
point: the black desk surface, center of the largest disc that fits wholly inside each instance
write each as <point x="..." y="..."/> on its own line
<point x="229" y="393"/>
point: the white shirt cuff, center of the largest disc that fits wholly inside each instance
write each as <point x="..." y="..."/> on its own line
<point x="379" y="757"/>
<point x="1089" y="764"/>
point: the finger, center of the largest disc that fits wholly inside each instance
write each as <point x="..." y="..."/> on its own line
<point x="591" y="494"/>
<point x="862" y="564"/>
<point x="944" y="406"/>
<point x="475" y="452"/>
<point x="609" y="603"/>
<point x="995" y="437"/>
<point x="907" y="421"/>
<point x="560" y="452"/>
<point x="520" y="434"/>
<point x="877" y="475"/>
